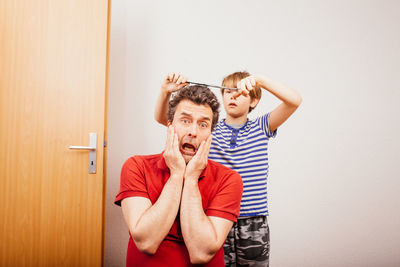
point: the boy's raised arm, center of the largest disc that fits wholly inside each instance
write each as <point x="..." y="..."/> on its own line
<point x="173" y="82"/>
<point x="291" y="99"/>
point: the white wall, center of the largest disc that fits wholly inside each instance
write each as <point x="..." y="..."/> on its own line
<point x="334" y="181"/>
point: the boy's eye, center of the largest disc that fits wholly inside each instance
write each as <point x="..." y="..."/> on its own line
<point x="185" y="121"/>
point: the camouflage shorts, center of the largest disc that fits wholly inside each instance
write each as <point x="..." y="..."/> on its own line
<point x="247" y="243"/>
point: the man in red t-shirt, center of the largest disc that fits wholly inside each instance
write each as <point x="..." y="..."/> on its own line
<point x="178" y="205"/>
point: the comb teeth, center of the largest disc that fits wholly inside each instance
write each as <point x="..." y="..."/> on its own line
<point x="214" y="86"/>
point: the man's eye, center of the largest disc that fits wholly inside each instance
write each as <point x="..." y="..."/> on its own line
<point x="203" y="125"/>
<point x="185" y="121"/>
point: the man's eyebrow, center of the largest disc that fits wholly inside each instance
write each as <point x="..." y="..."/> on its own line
<point x="186" y="114"/>
<point x="204" y="118"/>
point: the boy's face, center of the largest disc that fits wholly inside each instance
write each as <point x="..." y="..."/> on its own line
<point x="192" y="123"/>
<point x="237" y="107"/>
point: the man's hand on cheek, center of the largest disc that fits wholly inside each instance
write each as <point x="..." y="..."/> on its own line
<point x="172" y="155"/>
<point x="199" y="161"/>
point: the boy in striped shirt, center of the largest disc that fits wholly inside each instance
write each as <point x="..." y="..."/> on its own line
<point x="242" y="145"/>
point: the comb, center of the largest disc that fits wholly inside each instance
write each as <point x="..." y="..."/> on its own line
<point x="214" y="86"/>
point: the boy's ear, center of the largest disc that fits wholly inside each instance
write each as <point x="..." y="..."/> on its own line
<point x="169" y="123"/>
<point x="254" y="102"/>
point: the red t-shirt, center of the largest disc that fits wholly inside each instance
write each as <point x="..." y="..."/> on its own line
<point x="145" y="176"/>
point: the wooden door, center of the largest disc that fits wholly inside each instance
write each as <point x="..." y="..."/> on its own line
<point x="53" y="58"/>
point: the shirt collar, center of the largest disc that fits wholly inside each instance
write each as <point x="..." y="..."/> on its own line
<point x="237" y="129"/>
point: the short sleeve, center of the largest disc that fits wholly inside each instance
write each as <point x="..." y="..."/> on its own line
<point x="132" y="182"/>
<point x="226" y="202"/>
<point x="263" y="122"/>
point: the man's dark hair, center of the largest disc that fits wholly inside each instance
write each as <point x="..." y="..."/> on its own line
<point x="198" y="94"/>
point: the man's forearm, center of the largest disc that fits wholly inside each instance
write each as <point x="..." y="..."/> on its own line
<point x="156" y="222"/>
<point x="197" y="230"/>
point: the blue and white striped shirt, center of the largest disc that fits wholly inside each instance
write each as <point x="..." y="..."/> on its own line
<point x="245" y="150"/>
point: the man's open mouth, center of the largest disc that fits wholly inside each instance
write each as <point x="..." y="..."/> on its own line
<point x="188" y="149"/>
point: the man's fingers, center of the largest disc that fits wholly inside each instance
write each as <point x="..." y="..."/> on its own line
<point x="170" y="136"/>
<point x="201" y="148"/>
<point x="176" y="143"/>
<point x="209" y="140"/>
<point x="199" y="152"/>
<point x="167" y="141"/>
<point x="204" y="148"/>
<point x="207" y="146"/>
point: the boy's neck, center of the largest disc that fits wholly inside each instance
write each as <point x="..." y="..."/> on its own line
<point x="236" y="121"/>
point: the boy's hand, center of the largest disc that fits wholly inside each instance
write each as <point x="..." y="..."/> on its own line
<point x="199" y="161"/>
<point x="173" y="157"/>
<point x="245" y="86"/>
<point x="173" y="82"/>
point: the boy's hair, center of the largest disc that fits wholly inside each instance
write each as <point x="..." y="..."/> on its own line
<point x="198" y="94"/>
<point x="232" y="79"/>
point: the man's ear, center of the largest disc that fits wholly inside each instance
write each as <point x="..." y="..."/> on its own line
<point x="254" y="102"/>
<point x="169" y="123"/>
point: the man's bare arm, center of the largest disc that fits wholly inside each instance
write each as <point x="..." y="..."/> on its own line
<point x="147" y="223"/>
<point x="203" y="235"/>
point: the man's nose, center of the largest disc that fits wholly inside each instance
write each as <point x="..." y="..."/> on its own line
<point x="193" y="130"/>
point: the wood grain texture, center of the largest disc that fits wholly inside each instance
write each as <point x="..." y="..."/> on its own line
<point x="52" y="94"/>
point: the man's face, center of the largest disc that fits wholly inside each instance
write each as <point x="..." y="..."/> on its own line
<point x="192" y="123"/>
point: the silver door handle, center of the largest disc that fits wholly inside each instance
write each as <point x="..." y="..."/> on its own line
<point x="82" y="147"/>
<point x="92" y="151"/>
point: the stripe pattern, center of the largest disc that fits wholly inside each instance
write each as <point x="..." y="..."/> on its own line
<point x="245" y="150"/>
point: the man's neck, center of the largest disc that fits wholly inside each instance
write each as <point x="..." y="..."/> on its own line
<point x="236" y="120"/>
